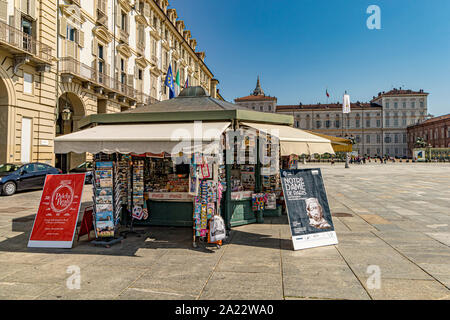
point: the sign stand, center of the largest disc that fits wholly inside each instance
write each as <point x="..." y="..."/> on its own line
<point x="87" y="223"/>
<point x="307" y="208"/>
<point x="55" y="223"/>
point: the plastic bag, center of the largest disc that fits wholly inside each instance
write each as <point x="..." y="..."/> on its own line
<point x="217" y="231"/>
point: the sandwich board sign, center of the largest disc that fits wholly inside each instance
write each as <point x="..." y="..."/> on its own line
<point x="307" y="208"/>
<point x="57" y="216"/>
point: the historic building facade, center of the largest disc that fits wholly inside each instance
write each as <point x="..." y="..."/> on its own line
<point x="434" y="131"/>
<point x="27" y="80"/>
<point x="109" y="55"/>
<point x="401" y="108"/>
<point x="379" y="127"/>
<point x="364" y="123"/>
<point x="257" y="100"/>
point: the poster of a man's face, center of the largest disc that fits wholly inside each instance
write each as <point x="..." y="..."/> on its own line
<point x="315" y="214"/>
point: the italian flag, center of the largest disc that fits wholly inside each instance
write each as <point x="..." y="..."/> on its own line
<point x="177" y="83"/>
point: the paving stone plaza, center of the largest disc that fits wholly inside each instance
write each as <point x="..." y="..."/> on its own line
<point x="392" y="223"/>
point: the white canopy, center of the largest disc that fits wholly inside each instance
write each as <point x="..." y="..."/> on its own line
<point x="294" y="141"/>
<point x="141" y="138"/>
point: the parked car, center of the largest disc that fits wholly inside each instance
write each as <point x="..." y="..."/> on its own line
<point x="86" y="167"/>
<point x="25" y="177"/>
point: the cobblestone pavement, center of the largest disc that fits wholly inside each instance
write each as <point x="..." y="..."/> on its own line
<point x="391" y="218"/>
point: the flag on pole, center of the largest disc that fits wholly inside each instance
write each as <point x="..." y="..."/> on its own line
<point x="169" y="82"/>
<point x="346" y="104"/>
<point x="186" y="84"/>
<point x="326" y="92"/>
<point x="177" y="82"/>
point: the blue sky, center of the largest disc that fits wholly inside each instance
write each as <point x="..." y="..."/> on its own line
<point x="301" y="47"/>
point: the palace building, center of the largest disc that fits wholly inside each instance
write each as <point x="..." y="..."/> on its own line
<point x="379" y="127"/>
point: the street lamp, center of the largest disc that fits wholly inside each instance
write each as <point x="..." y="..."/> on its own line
<point x="66" y="113"/>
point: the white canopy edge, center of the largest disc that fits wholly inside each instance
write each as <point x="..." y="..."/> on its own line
<point x="294" y="141"/>
<point x="140" y="138"/>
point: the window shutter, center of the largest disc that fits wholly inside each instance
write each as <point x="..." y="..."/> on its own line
<point x="32" y="11"/>
<point x="80" y="38"/>
<point x="107" y="69"/>
<point x="24" y="6"/>
<point x="3" y="10"/>
<point x="147" y="10"/>
<point x="117" y="63"/>
<point x="71" y="49"/>
<point x="118" y="16"/>
<point x="105" y="53"/>
<point x="63" y="27"/>
<point x="130" y="80"/>
<point x="94" y="47"/>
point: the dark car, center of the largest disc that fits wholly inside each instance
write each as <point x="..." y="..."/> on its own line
<point x="26" y="177"/>
<point x="86" y="167"/>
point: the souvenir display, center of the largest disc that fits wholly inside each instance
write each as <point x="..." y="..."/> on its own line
<point x="258" y="201"/>
<point x="164" y="177"/>
<point x="107" y="202"/>
<point x="138" y="184"/>
<point x="206" y="202"/>
<point x="124" y="172"/>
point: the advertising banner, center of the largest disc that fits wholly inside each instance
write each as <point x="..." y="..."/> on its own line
<point x="57" y="216"/>
<point x="307" y="208"/>
<point x="346" y="104"/>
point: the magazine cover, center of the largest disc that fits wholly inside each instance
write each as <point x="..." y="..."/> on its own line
<point x="105" y="228"/>
<point x="104" y="164"/>
<point x="103" y="192"/>
<point x="104" y="199"/>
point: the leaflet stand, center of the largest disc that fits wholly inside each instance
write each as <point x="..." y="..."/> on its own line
<point x="131" y="231"/>
<point x="138" y="233"/>
<point x="107" y="242"/>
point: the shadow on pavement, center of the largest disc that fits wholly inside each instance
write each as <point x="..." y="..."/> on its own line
<point x="152" y="238"/>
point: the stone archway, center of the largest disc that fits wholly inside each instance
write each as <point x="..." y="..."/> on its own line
<point x="4" y="106"/>
<point x="74" y="102"/>
<point x="7" y="101"/>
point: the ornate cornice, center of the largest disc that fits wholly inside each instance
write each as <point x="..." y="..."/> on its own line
<point x="125" y="50"/>
<point x="102" y="33"/>
<point x="125" y="4"/>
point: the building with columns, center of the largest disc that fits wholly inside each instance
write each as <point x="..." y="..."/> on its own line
<point x="363" y="123"/>
<point x="401" y="108"/>
<point x="81" y="57"/>
<point x="379" y="127"/>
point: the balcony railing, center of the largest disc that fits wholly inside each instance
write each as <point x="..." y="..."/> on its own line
<point x="24" y="42"/>
<point x="145" y="99"/>
<point x="71" y="66"/>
